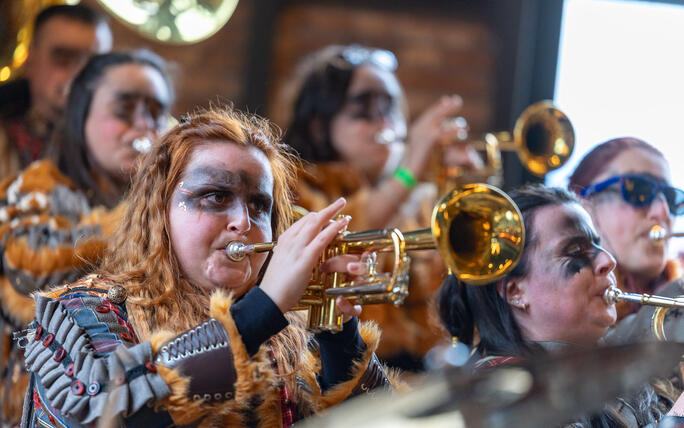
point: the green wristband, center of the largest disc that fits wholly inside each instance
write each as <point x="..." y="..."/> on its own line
<point x="404" y="176"/>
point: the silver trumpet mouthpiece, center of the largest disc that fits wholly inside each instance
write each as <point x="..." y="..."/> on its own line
<point x="142" y="144"/>
<point x="657" y="233"/>
<point x="386" y="136"/>
<point x="611" y="295"/>
<point x="237" y="250"/>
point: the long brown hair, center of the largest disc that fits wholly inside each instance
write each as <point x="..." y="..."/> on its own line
<point x="70" y="150"/>
<point x="141" y="258"/>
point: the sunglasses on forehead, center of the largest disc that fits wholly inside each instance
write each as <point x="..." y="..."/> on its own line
<point x="640" y="190"/>
<point x="356" y="55"/>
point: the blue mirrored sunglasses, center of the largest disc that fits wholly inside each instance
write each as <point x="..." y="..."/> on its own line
<point x="640" y="190"/>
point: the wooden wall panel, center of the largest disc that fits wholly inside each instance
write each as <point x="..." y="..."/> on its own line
<point x="437" y="55"/>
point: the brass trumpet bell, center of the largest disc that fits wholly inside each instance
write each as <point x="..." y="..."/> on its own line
<point x="477" y="229"/>
<point x="543" y="137"/>
<point x="479" y="233"/>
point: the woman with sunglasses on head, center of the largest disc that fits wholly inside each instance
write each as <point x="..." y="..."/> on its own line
<point x="170" y="331"/>
<point x="56" y="215"/>
<point x="624" y="184"/>
<point x="551" y="302"/>
<point x="349" y="124"/>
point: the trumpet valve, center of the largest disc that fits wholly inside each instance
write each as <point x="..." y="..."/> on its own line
<point x="371" y="262"/>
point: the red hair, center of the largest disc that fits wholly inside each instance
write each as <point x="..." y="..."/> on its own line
<point x="140" y="256"/>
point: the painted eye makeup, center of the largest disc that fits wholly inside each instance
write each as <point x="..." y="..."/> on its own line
<point x="126" y="106"/>
<point x="580" y="253"/>
<point x="215" y="191"/>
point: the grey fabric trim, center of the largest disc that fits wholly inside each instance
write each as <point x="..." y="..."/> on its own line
<point x="64" y="201"/>
<point x="122" y="398"/>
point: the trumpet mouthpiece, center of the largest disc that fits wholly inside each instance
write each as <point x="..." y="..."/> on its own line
<point x="611" y="295"/>
<point x="385" y="136"/>
<point x="142" y="144"/>
<point x="657" y="233"/>
<point x="237" y="250"/>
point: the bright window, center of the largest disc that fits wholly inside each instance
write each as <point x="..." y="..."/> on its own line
<point x="621" y="73"/>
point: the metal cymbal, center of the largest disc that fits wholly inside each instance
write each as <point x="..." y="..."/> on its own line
<point x="541" y="392"/>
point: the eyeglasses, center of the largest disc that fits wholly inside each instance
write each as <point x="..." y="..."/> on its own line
<point x="372" y="105"/>
<point x="640" y="190"/>
<point x="356" y="55"/>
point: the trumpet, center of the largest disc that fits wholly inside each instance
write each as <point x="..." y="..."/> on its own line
<point x="477" y="229"/>
<point x="660" y="234"/>
<point x="662" y="304"/>
<point x="543" y="138"/>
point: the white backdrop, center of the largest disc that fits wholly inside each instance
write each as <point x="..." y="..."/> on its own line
<point x="621" y="73"/>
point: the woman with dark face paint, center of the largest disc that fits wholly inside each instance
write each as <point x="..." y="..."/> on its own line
<point x="171" y="331"/>
<point x="553" y="300"/>
<point x="54" y="217"/>
<point x="349" y="124"/>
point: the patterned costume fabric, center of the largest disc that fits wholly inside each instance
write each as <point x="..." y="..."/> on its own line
<point x="413" y="328"/>
<point x="87" y="366"/>
<point x="48" y="235"/>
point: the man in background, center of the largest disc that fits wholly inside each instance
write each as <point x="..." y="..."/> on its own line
<point x="64" y="37"/>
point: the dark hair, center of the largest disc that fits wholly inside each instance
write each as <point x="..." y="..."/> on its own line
<point x="595" y="162"/>
<point x="70" y="148"/>
<point x="76" y="12"/>
<point x="323" y="80"/>
<point x="462" y="307"/>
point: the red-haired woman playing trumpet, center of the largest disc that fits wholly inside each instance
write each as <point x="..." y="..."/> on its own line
<point x="170" y="321"/>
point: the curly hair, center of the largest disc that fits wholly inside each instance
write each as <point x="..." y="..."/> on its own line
<point x="140" y="256"/>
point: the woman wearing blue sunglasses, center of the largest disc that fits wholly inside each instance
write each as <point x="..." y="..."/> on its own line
<point x="625" y="186"/>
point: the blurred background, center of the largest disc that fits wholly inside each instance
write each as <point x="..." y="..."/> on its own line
<point x="613" y="66"/>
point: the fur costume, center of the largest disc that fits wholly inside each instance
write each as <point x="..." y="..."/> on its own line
<point x="48" y="235"/>
<point x="412" y="328"/>
<point x="256" y="401"/>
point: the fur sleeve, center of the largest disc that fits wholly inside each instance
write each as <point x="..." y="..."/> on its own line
<point x="335" y="395"/>
<point x="253" y="378"/>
